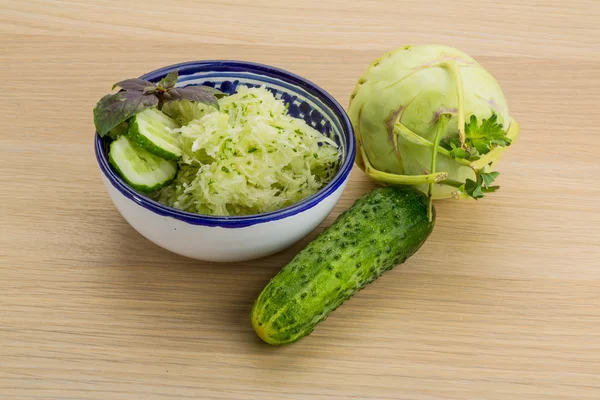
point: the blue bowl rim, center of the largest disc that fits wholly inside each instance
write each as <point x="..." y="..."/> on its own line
<point x="246" y="220"/>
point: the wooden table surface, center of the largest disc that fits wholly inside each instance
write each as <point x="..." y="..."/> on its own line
<point x="503" y="301"/>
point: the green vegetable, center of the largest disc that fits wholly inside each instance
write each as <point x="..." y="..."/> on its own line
<point x="119" y="130"/>
<point x="479" y="139"/>
<point x="185" y="111"/>
<point x="153" y="130"/>
<point x="381" y="230"/>
<point x="141" y="169"/>
<point x="139" y="94"/>
<point x="398" y="106"/>
<point x="248" y="157"/>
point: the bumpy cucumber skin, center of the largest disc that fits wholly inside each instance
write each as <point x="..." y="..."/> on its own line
<point x="381" y="230"/>
<point x="136" y="137"/>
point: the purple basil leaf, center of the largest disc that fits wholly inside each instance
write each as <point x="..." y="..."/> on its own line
<point x="169" y="81"/>
<point x="216" y="92"/>
<point x="114" y="109"/>
<point x="193" y="93"/>
<point x="136" y="84"/>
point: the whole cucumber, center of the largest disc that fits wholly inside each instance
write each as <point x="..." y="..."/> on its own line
<point x="382" y="229"/>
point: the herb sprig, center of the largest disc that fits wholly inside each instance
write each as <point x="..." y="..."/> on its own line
<point x="139" y="94"/>
<point x="480" y="139"/>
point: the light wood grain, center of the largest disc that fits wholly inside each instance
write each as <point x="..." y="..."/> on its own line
<point x="503" y="301"/>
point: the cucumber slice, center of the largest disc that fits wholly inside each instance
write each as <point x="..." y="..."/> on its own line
<point x="118" y="130"/>
<point x="150" y="129"/>
<point x="141" y="169"/>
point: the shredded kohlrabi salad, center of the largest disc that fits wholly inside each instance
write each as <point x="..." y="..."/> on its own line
<point x="247" y="157"/>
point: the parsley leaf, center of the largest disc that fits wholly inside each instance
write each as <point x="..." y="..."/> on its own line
<point x="489" y="178"/>
<point x="476" y="189"/>
<point x="473" y="189"/>
<point x="457" y="152"/>
<point x="479" y="139"/>
<point x="486" y="136"/>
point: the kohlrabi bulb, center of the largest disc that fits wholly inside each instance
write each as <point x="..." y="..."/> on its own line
<point x="420" y="100"/>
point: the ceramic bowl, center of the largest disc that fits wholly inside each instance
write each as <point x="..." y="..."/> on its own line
<point x="238" y="238"/>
